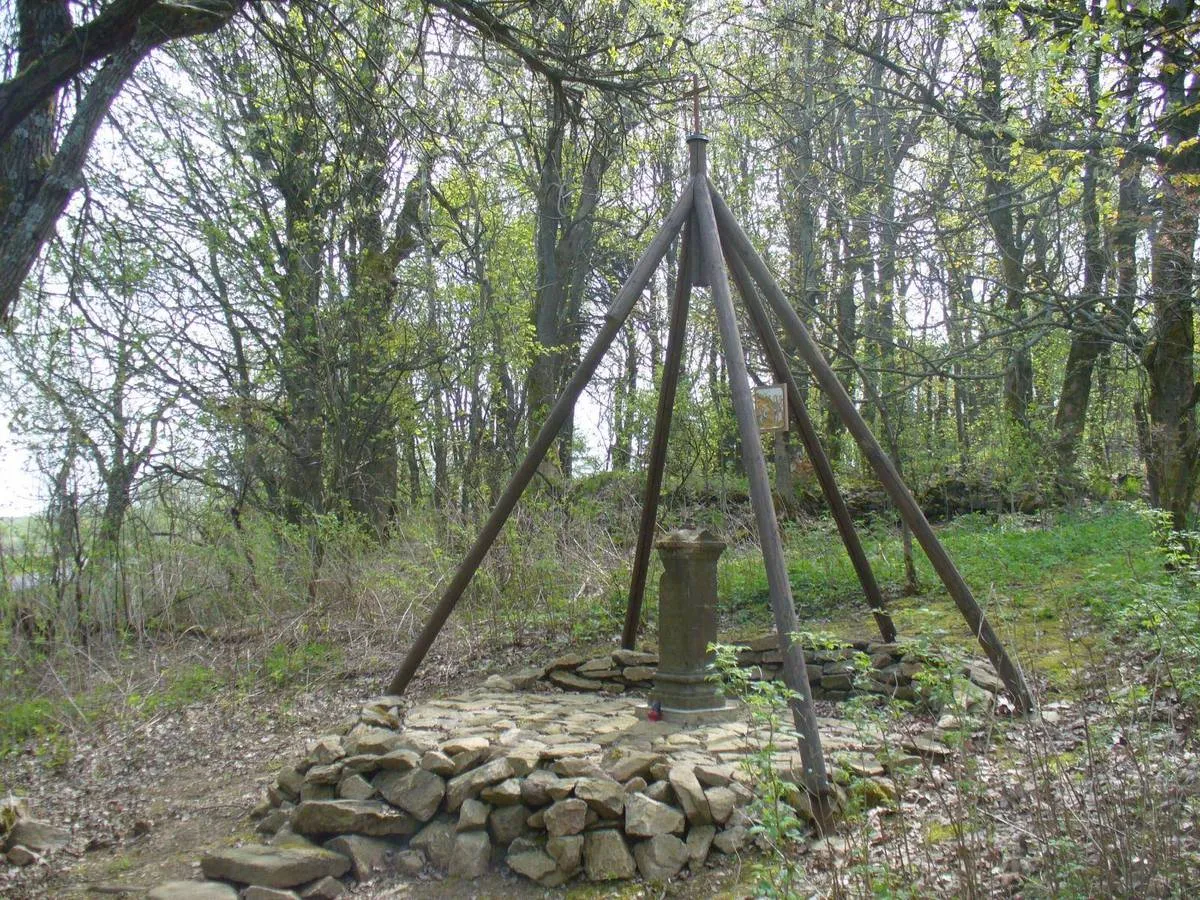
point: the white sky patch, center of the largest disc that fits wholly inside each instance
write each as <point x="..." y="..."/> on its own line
<point x="19" y="494"/>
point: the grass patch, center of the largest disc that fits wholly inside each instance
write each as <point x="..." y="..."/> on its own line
<point x="1037" y="577"/>
<point x="285" y="663"/>
<point x="184" y="686"/>
<point x="23" y="720"/>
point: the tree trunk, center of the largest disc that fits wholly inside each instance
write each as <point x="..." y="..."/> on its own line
<point x="37" y="179"/>
<point x="1088" y="339"/>
<point x="1169" y="354"/>
<point x="1000" y="200"/>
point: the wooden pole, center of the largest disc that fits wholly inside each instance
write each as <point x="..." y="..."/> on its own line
<point x="812" y="443"/>
<point x="657" y="462"/>
<point x="907" y="505"/>
<point x="795" y="672"/>
<point x="617" y="313"/>
<point x="690" y="275"/>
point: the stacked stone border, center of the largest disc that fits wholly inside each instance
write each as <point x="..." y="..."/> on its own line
<point x="456" y="786"/>
<point x="834" y="673"/>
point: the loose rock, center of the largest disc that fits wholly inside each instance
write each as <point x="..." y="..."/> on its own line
<point x="375" y="741"/>
<point x="471" y="783"/>
<point x="276" y="867"/>
<point x="660" y="791"/>
<point x="566" y="817"/>
<point x="661" y="857"/>
<point x="571" y="682"/>
<point x="634" y="658"/>
<point x="567" y="851"/>
<point x="472" y="815"/>
<point x="498" y="683"/>
<point x="632" y="765"/>
<point x="646" y="818"/>
<point x="355" y="787"/>
<point x="416" y="791"/>
<point x="699" y="841"/>
<point x="691" y="795"/>
<point x="438" y="763"/>
<point x="469" y="744"/>
<point x="721" y="803"/>
<point x="732" y="839"/>
<point x="507" y="823"/>
<point x="606" y="797"/>
<point x="533" y="864"/>
<point x="367" y="855"/>
<point x="535" y="788"/>
<point x="20" y="855"/>
<point x="369" y="817"/>
<point x="506" y="793"/>
<point x="324" y="751"/>
<point x="606" y="857"/>
<point x="398" y="760"/>
<point x="436" y="840"/>
<point x="472" y="853"/>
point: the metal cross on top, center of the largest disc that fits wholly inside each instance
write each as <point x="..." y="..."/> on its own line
<point x="694" y="94"/>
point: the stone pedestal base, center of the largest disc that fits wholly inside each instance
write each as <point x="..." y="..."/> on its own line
<point x="687" y="718"/>
<point x="687" y="622"/>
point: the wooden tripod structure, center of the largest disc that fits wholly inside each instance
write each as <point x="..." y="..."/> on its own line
<point x="711" y="234"/>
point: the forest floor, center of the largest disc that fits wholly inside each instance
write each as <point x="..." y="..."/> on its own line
<point x="169" y="745"/>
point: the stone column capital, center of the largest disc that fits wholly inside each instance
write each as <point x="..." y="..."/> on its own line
<point x="698" y="542"/>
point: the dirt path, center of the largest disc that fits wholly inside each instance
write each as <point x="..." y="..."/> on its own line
<point x="143" y="799"/>
<point x="145" y="795"/>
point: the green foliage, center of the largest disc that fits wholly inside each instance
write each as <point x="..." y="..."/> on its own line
<point x="285" y="664"/>
<point x="23" y="720"/>
<point x="777" y="827"/>
<point x="181" y="687"/>
<point x="1160" y="612"/>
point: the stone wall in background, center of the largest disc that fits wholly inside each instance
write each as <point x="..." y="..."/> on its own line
<point x="834" y="673"/>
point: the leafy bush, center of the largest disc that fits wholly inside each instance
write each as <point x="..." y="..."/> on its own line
<point x="1161" y="615"/>
<point x="777" y="827"/>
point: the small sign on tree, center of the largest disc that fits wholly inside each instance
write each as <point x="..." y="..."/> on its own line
<point x="770" y="407"/>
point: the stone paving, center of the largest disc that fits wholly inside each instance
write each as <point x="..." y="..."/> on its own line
<point x="556" y="785"/>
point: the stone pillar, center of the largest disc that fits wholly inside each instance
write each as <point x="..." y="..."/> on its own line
<point x="687" y="622"/>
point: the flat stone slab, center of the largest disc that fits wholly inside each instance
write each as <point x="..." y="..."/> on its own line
<point x="276" y="867"/>
<point x="602" y="729"/>
<point x="193" y="890"/>
<point x="369" y="817"/>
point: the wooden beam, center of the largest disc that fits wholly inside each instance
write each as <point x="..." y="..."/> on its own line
<point x="905" y="503"/>
<point x="657" y="461"/>
<point x="617" y="313"/>
<point x="795" y="672"/>
<point x="803" y="424"/>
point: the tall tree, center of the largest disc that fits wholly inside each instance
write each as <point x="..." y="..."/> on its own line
<point x="58" y="60"/>
<point x="1172" y="449"/>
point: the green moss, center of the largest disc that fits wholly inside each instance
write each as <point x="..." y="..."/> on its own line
<point x="939" y="833"/>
